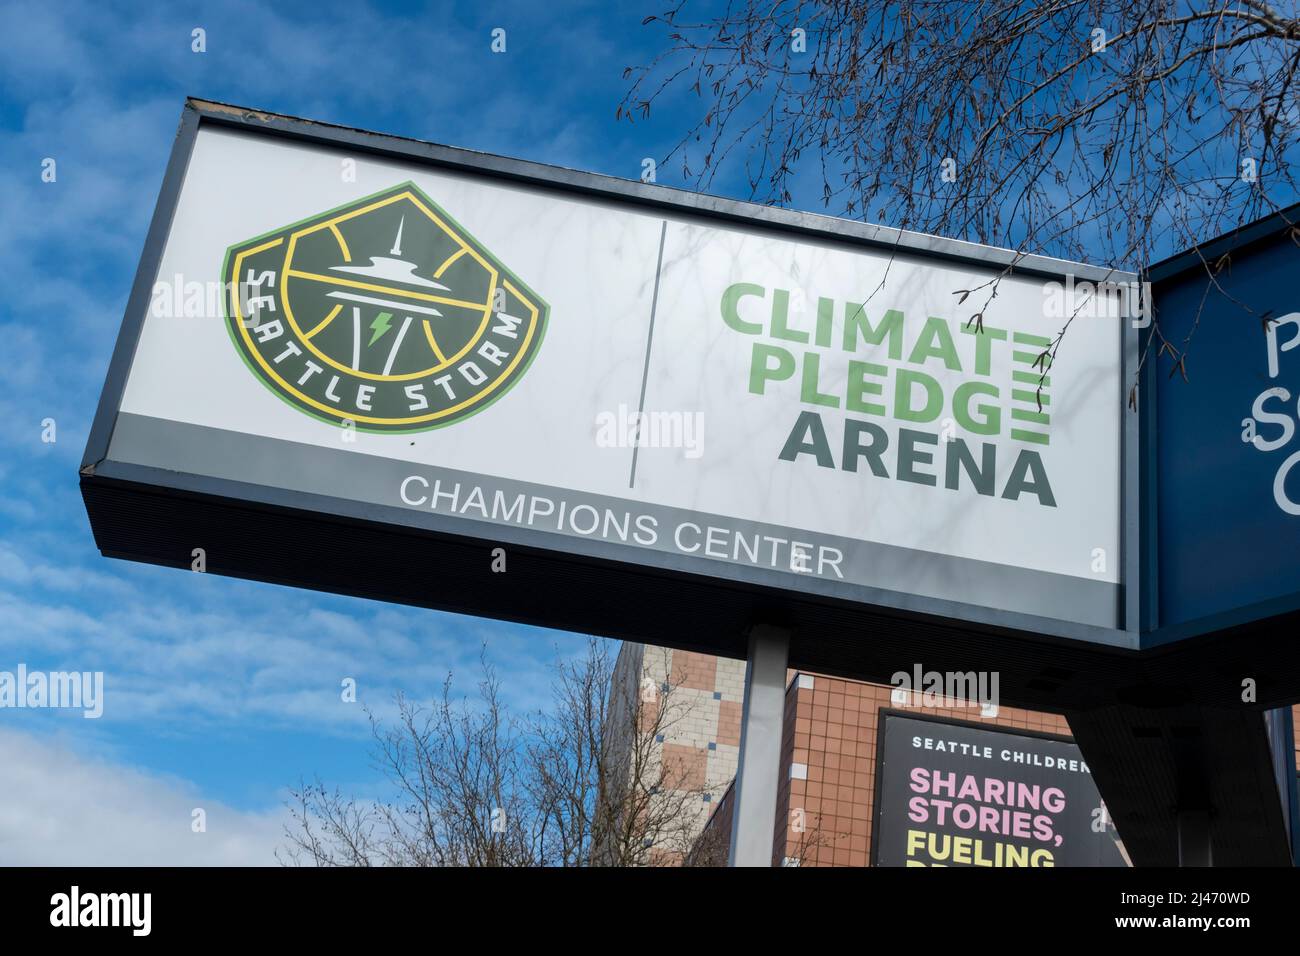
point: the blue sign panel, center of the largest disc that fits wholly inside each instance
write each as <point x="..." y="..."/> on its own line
<point x="1224" y="453"/>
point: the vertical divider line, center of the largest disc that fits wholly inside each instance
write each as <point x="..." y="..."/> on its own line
<point x="649" y="338"/>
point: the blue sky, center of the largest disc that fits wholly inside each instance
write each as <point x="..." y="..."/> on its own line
<point x="221" y="693"/>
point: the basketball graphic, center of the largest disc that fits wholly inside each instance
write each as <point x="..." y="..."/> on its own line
<point x="384" y="313"/>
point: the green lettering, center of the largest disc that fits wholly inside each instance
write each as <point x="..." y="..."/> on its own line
<point x="903" y="410"/>
<point x="935" y="341"/>
<point x="761" y="370"/>
<point x="730" y="307"/>
<point x="990" y="420"/>
<point x="781" y="318"/>
<point x="825" y="316"/>
<point x="808" y="394"/>
<point x="858" y="386"/>
<point x="984" y="345"/>
<point x="856" y="323"/>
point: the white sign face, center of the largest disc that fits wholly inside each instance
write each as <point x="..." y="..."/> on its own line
<point x="666" y="390"/>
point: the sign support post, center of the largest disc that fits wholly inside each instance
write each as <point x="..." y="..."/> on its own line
<point x="1281" y="740"/>
<point x="753" y="821"/>
<point x="1186" y="785"/>
<point x="1194" y="844"/>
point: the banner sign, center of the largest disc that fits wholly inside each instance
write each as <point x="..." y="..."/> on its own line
<point x="494" y="357"/>
<point x="954" y="794"/>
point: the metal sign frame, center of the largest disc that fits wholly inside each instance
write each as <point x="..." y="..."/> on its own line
<point x="1251" y="617"/>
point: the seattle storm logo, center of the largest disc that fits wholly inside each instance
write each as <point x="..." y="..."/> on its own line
<point x="384" y="313"/>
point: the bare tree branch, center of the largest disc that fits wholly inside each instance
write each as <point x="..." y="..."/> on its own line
<point x="1092" y="130"/>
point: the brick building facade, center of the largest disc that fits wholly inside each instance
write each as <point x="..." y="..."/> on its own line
<point x="691" y="703"/>
<point x="826" y="794"/>
<point x="828" y="747"/>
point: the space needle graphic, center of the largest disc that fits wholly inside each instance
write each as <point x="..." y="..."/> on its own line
<point x="391" y="269"/>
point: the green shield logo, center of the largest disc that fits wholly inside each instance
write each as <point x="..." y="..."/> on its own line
<point x="384" y="313"/>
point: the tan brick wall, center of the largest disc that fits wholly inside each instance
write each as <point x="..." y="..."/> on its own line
<point x="685" y="767"/>
<point x="700" y="749"/>
<point x="697" y="671"/>
<point x="729" y="712"/>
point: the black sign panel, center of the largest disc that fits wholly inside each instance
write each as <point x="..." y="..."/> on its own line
<point x="956" y="794"/>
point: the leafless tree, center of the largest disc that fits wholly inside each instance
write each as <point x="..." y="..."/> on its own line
<point x="804" y="835"/>
<point x="648" y="801"/>
<point x="1111" y="131"/>
<point x="582" y="783"/>
<point x="457" y="769"/>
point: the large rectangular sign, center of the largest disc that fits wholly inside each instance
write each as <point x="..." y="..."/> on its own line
<point x="515" y="354"/>
<point x="1224" y="438"/>
<point x="953" y="794"/>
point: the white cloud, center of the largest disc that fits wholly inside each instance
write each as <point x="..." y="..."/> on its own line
<point x="58" y="808"/>
<point x="197" y="650"/>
